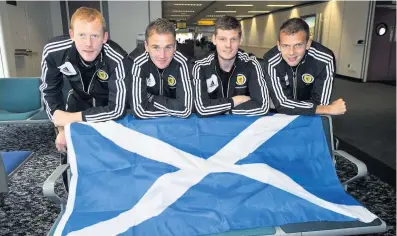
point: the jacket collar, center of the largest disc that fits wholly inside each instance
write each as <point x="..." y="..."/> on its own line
<point x="73" y="56"/>
<point x="237" y="61"/>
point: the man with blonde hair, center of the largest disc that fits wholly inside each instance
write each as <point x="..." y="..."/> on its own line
<point x="93" y="66"/>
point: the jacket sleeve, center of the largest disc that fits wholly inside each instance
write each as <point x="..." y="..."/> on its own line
<point x="116" y="97"/>
<point x="323" y="83"/>
<point x="181" y="106"/>
<point x="51" y="85"/>
<point x="282" y="103"/>
<point x="259" y="103"/>
<point x="205" y="106"/>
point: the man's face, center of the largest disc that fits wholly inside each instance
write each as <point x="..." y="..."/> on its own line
<point x="161" y="48"/>
<point x="293" y="47"/>
<point x="227" y="42"/>
<point x="88" y="38"/>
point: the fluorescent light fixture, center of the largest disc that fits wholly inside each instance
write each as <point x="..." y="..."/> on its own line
<point x="214" y="15"/>
<point x="226" y="11"/>
<point x="188" y="4"/>
<point x="280" y="5"/>
<point x="208" y="19"/>
<point x="245" y="16"/>
<point x="180" y="15"/>
<point x="239" y="5"/>
<point x="179" y="11"/>
<point x="258" y="11"/>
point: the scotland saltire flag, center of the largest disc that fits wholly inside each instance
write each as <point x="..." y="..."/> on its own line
<point x="201" y="176"/>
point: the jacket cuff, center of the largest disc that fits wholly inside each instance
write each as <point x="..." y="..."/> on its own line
<point x="232" y="102"/>
<point x="313" y="110"/>
<point x="83" y="114"/>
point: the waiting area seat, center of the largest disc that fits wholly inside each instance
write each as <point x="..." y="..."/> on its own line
<point x="10" y="162"/>
<point x="20" y="101"/>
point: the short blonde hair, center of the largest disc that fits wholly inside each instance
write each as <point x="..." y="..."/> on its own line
<point x="160" y="26"/>
<point x="88" y="14"/>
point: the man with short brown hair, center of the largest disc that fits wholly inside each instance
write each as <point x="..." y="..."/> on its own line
<point x="159" y="77"/>
<point x="229" y="80"/>
<point x="300" y="73"/>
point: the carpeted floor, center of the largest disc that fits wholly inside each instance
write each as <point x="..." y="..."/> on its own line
<point x="27" y="212"/>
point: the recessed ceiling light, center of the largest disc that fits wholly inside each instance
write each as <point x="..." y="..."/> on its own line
<point x="214" y="15"/>
<point x="226" y="11"/>
<point x="187" y="4"/>
<point x="258" y="11"/>
<point x="239" y="5"/>
<point x="180" y="15"/>
<point x="179" y="11"/>
<point x="245" y="16"/>
<point x="280" y="5"/>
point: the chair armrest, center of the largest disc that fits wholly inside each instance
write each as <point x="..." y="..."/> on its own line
<point x="361" y="167"/>
<point x="49" y="185"/>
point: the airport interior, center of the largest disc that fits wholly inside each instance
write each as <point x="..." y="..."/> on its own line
<point x="361" y="35"/>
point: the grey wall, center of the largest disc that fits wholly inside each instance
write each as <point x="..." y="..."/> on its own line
<point x="128" y="19"/>
<point x="344" y="23"/>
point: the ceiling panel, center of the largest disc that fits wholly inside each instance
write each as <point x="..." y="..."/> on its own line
<point x="192" y="11"/>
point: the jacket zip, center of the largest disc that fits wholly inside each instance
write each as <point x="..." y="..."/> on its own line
<point x="294" y="80"/>
<point x="92" y="78"/>
<point x="228" y="83"/>
<point x="81" y="80"/>
<point x="161" y="80"/>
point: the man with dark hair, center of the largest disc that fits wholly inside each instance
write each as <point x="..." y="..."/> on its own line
<point x="158" y="75"/>
<point x="229" y="80"/>
<point x="300" y="73"/>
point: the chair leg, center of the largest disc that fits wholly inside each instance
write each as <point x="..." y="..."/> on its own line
<point x="336" y="144"/>
<point x="361" y="167"/>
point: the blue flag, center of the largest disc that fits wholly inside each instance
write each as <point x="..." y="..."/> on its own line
<point x="201" y="176"/>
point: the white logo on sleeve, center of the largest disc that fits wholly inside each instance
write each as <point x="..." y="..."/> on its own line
<point x="67" y="69"/>
<point x="150" y="82"/>
<point x="212" y="83"/>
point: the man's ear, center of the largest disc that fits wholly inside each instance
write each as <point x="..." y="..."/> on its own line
<point x="71" y="34"/>
<point x="105" y="37"/>
<point x="146" y="46"/>
<point x="278" y="45"/>
<point x="213" y="39"/>
<point x="309" y="43"/>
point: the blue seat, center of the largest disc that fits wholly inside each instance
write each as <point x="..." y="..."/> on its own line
<point x="12" y="160"/>
<point x="9" y="164"/>
<point x="20" y="99"/>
